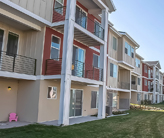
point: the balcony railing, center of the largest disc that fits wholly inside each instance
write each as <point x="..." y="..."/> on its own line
<point x="79" y="69"/>
<point x="124" y="85"/>
<point x="81" y="19"/>
<point x="59" y="14"/>
<point x="17" y="63"/>
<point x="134" y="87"/>
<point x="89" y="24"/>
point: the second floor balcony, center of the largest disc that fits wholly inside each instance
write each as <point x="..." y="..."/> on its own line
<point x="15" y="63"/>
<point x="133" y="86"/>
<point x="124" y="85"/>
<point x="79" y="69"/>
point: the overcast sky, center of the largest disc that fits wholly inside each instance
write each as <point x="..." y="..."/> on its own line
<point x="143" y="20"/>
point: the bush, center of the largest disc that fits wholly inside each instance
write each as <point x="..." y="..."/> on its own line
<point x="118" y="112"/>
<point x="146" y="102"/>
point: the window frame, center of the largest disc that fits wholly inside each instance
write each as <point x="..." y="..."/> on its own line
<point x="8" y="39"/>
<point x="4" y="32"/>
<point x="81" y="9"/>
<point x="97" y="99"/>
<point x="114" y="65"/>
<point x="145" y="68"/>
<point x="59" y="7"/>
<point x="138" y="63"/>
<point x="139" y="81"/>
<point x="56" y="93"/>
<point x="113" y="43"/>
<point x="54" y="47"/>
<point x="98" y="61"/>
<point x="145" y="82"/>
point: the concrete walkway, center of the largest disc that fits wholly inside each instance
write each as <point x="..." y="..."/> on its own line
<point x="73" y="121"/>
<point x="13" y="124"/>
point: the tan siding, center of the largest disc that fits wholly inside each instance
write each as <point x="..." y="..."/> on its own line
<point x="30" y="43"/>
<point x="42" y="8"/>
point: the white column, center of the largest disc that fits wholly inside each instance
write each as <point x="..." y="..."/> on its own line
<point x="103" y="63"/>
<point x="130" y="84"/>
<point x="154" y="84"/>
<point x="67" y="63"/>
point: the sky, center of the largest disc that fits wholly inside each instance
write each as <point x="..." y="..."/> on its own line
<point x="143" y="20"/>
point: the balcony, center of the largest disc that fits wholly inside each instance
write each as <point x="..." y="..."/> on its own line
<point x="124" y="85"/>
<point x="79" y="69"/>
<point x="134" y="87"/>
<point x="17" y="63"/>
<point x="86" y="29"/>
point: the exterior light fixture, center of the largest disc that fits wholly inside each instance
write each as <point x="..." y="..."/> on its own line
<point x="9" y="88"/>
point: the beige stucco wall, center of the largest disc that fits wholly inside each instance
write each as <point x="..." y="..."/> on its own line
<point x="42" y="8"/>
<point x="49" y="108"/>
<point x="8" y="99"/>
<point x="134" y="98"/>
<point x="30" y="44"/>
<point x="27" y="100"/>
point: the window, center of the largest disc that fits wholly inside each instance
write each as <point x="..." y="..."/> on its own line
<point x="113" y="70"/>
<point x="98" y="29"/>
<point x="114" y="43"/>
<point x="52" y="93"/>
<point x="96" y="61"/>
<point x="145" y="82"/>
<point x="12" y="44"/>
<point x="55" y="48"/>
<point x="1" y="39"/>
<point x="59" y="5"/>
<point x="129" y="50"/>
<point x="139" y="81"/>
<point x="138" y="97"/>
<point x="114" y="104"/>
<point x="138" y="63"/>
<point x="133" y="80"/>
<point x="132" y="52"/>
<point x="145" y="67"/>
<point x="94" y="99"/>
<point x="145" y="96"/>
<point x="81" y="17"/>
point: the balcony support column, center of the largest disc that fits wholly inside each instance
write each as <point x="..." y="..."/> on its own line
<point x="67" y="63"/>
<point x="154" y="84"/>
<point x="103" y="63"/>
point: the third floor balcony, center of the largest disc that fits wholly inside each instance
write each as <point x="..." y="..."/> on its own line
<point x="88" y="29"/>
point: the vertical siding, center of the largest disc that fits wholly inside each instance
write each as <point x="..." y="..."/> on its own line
<point x="42" y="8"/>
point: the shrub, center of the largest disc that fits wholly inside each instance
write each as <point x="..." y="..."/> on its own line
<point x="118" y="112"/>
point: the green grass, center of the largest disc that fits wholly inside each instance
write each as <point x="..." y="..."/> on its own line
<point x="138" y="124"/>
<point x="160" y="105"/>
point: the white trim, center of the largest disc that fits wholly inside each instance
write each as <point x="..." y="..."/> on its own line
<point x="58" y="24"/>
<point x="56" y="93"/>
<point x="112" y="59"/>
<point x="17" y="75"/>
<point x="95" y="49"/>
<point x="136" y="73"/>
<point x="85" y="80"/>
<point x="123" y="62"/>
<point x="117" y="89"/>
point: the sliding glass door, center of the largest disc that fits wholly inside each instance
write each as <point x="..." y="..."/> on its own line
<point x="75" y="103"/>
<point x="78" y="62"/>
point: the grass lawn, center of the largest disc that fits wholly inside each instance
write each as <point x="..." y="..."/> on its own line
<point x="138" y="124"/>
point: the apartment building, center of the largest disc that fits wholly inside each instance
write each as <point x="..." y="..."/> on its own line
<point x="152" y="81"/>
<point x="53" y="54"/>
<point x="121" y="68"/>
